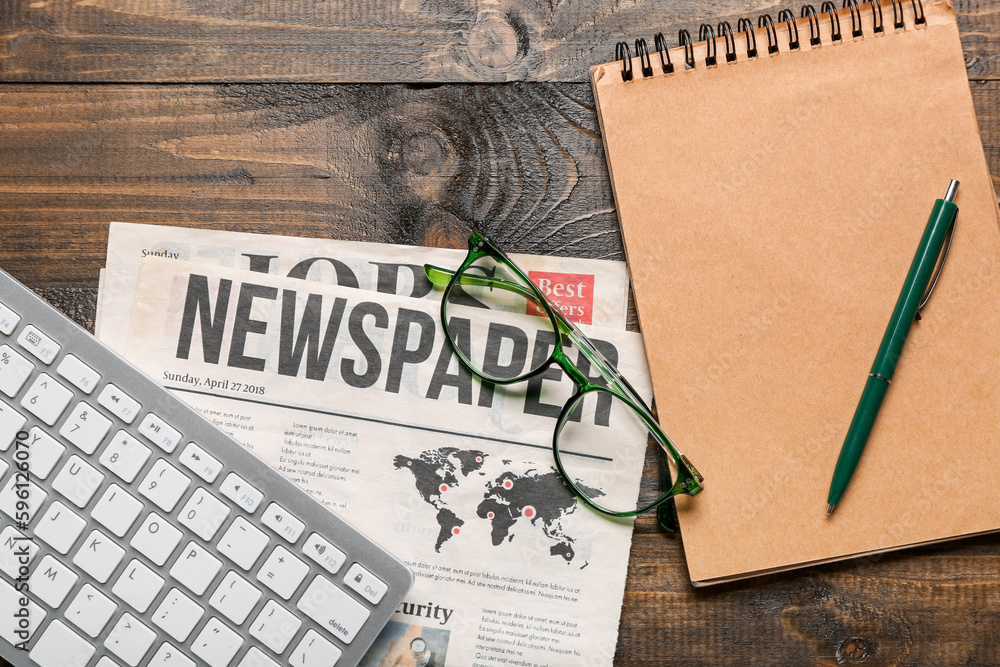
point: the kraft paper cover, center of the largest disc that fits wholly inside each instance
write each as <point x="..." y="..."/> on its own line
<point x="770" y="210"/>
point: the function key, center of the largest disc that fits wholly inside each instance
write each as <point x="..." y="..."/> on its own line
<point x="197" y="460"/>
<point x="82" y="376"/>
<point x="160" y="433"/>
<point x="119" y="403"/>
<point x="280" y="521"/>
<point x="324" y="553"/>
<point x="8" y="320"/>
<point x="236" y="489"/>
<point x="365" y="583"/>
<point x="38" y="344"/>
<point x="14" y="371"/>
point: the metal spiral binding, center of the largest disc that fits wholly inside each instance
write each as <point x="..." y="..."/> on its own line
<point x="707" y="33"/>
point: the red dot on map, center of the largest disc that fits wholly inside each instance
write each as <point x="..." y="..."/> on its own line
<point x="455" y="530"/>
<point x="490" y="515"/>
<point x="409" y="463"/>
<point x="569" y="555"/>
<point x="479" y="459"/>
<point x="507" y="484"/>
<point x="444" y="487"/>
<point x="529" y="511"/>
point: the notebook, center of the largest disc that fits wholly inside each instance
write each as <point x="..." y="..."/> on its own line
<point x="770" y="208"/>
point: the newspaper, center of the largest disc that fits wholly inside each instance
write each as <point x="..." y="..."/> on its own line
<point x="588" y="291"/>
<point x="358" y="398"/>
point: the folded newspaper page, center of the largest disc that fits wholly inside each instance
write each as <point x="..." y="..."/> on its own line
<point x="588" y="291"/>
<point x="358" y="398"/>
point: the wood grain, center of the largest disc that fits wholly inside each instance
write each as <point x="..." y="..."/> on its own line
<point x="381" y="163"/>
<point x="379" y="41"/>
<point x="416" y="165"/>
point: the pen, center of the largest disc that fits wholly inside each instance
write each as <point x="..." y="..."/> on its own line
<point x="937" y="235"/>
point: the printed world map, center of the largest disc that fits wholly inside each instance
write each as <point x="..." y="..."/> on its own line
<point x="511" y="500"/>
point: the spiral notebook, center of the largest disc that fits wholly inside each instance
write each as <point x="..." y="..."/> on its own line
<point x="772" y="189"/>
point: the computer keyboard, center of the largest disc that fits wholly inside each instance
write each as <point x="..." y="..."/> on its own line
<point x="133" y="532"/>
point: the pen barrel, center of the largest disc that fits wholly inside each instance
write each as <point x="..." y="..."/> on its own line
<point x="917" y="279"/>
<point x="857" y="436"/>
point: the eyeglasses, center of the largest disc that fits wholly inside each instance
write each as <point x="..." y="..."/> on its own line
<point x="599" y="430"/>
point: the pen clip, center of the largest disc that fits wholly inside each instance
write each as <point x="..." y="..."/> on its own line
<point x="937" y="271"/>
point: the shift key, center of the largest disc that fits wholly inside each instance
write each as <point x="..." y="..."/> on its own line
<point x="340" y="614"/>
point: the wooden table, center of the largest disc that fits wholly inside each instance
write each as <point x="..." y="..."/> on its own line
<point x="253" y="117"/>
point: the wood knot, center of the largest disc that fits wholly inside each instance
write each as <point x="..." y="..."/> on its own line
<point x="497" y="41"/>
<point x="854" y="651"/>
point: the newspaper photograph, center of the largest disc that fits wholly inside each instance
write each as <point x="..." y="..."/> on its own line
<point x="588" y="291"/>
<point x="358" y="398"/>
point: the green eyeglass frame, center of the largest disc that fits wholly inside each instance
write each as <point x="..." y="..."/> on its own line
<point x="689" y="480"/>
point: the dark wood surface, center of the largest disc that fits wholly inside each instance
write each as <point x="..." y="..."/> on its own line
<point x="238" y="134"/>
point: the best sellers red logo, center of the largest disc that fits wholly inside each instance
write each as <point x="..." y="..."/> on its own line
<point x="573" y="293"/>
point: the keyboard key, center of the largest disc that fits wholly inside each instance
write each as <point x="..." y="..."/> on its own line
<point x="15" y="491"/>
<point x="314" y="651"/>
<point x="169" y="656"/>
<point x="117" y="510"/>
<point x="177" y="615"/>
<point x="130" y="640"/>
<point x="59" y="646"/>
<point x="280" y="521"/>
<point x="105" y="661"/>
<point x="339" y="613"/>
<point x="85" y="427"/>
<point x="78" y="481"/>
<point x="164" y="485"/>
<point x="90" y="610"/>
<point x="256" y="658"/>
<point x="159" y="433"/>
<point x="156" y="539"/>
<point x="16" y="552"/>
<point x="236" y="489"/>
<point x="52" y="581"/>
<point x="41" y="346"/>
<point x="79" y="374"/>
<point x="45" y="452"/>
<point x="200" y="463"/>
<point x="204" y="514"/>
<point x="60" y="528"/>
<point x="14" y="371"/>
<point x="217" y="644"/>
<point x="243" y="543"/>
<point x="99" y="556"/>
<point x="138" y="586"/>
<point x="324" y="553"/>
<point x="235" y="598"/>
<point x="10" y="608"/>
<point x="275" y="626"/>
<point x="11" y="421"/>
<point x="47" y="399"/>
<point x="195" y="568"/>
<point x="8" y="320"/>
<point x="282" y="572"/>
<point x="119" y="403"/>
<point x="365" y="583"/>
<point x="125" y="456"/>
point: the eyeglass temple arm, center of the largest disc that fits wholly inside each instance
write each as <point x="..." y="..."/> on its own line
<point x="441" y="277"/>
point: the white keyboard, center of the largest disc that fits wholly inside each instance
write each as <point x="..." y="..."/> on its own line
<point x="133" y="532"/>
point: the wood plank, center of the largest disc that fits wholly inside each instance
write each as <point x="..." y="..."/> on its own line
<point x="381" y="163"/>
<point x="415" y="165"/>
<point x="379" y="41"/>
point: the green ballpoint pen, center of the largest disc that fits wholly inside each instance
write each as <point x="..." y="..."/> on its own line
<point x="937" y="235"/>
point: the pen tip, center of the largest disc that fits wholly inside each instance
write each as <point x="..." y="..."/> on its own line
<point x="829" y="509"/>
